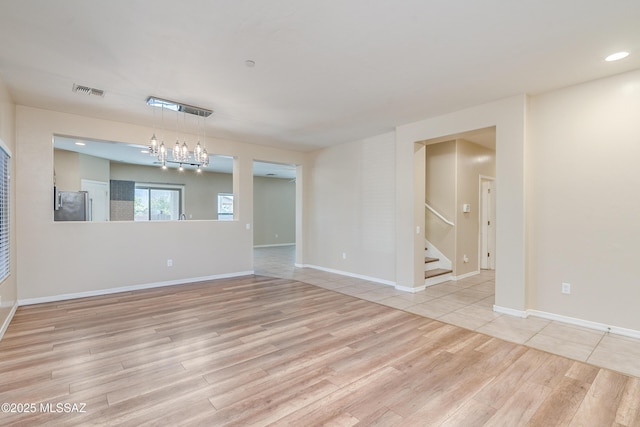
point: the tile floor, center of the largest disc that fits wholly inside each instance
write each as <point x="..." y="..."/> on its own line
<point x="468" y="303"/>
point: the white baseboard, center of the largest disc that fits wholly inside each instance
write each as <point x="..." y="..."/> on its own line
<point x="5" y="325"/>
<point x="632" y="333"/>
<point x="466" y="275"/>
<point x="274" y="245"/>
<point x="586" y="323"/>
<point x="346" y="273"/>
<point x="63" y="297"/>
<point x="411" y="289"/>
<point x="511" y="311"/>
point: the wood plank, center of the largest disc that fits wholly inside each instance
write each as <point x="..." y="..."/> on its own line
<point x="507" y="383"/>
<point x="628" y="413"/>
<point x="600" y="405"/>
<point x="256" y="350"/>
<point x="560" y="406"/>
<point x="521" y="406"/>
<point x="470" y="413"/>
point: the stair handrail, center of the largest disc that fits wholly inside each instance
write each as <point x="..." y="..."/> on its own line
<point x="438" y="214"/>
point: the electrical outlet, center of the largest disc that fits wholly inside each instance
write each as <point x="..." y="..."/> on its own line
<point x="344" y="255"/>
<point x="566" y="288"/>
<point x="276" y="236"/>
<point x="169" y="263"/>
<point x="465" y="258"/>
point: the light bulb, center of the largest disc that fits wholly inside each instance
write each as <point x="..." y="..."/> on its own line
<point x="184" y="152"/>
<point x="176" y="151"/>
<point x="162" y="153"/>
<point x="153" y="145"/>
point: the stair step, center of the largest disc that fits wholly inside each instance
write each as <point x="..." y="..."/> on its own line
<point x="436" y="272"/>
<point x="427" y="259"/>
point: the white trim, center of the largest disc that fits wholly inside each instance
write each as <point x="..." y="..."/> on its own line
<point x="510" y="311"/>
<point x="586" y="323"/>
<point x="466" y="275"/>
<point x="438" y="214"/>
<point x="274" y="245"/>
<point x="346" y="273"/>
<point x="63" y="297"/>
<point x="409" y="289"/>
<point x="5" y="325"/>
<point x="632" y="333"/>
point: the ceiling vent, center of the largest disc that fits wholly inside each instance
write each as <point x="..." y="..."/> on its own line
<point x="86" y="90"/>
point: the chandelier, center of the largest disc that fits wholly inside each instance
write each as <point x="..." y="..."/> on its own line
<point x="180" y="154"/>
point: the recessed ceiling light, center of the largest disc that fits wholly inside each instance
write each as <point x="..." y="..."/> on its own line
<point x="82" y="144"/>
<point x="250" y="63"/>
<point x="616" y="56"/>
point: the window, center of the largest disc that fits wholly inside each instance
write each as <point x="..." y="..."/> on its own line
<point x="5" y="210"/>
<point x="157" y="203"/>
<point x="225" y="207"/>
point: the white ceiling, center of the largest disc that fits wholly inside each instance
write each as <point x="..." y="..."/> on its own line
<point x="325" y="72"/>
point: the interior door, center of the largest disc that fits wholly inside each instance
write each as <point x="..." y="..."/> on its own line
<point x="488" y="225"/>
<point x="98" y="199"/>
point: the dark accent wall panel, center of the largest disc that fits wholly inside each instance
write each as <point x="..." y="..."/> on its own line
<point x="122" y="198"/>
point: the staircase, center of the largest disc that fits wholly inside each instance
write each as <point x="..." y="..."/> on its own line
<point x="437" y="268"/>
<point x="434" y="271"/>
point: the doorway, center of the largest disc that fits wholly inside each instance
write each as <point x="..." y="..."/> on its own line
<point x="275" y="212"/>
<point x="456" y="169"/>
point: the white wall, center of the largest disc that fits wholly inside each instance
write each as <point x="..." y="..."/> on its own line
<point x="274" y="211"/>
<point x="70" y="258"/>
<point x="350" y="208"/>
<point x="582" y="197"/>
<point x="8" y="287"/>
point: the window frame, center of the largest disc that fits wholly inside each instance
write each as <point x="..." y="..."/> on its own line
<point x="226" y="216"/>
<point x="154" y="186"/>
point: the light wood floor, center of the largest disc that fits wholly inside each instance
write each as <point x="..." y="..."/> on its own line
<point x="260" y="351"/>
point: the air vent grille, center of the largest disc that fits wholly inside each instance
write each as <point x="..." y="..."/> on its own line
<point x="86" y="90"/>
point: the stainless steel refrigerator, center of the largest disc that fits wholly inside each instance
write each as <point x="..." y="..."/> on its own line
<point x="71" y="206"/>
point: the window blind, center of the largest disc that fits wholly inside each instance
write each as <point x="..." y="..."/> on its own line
<point x="5" y="209"/>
